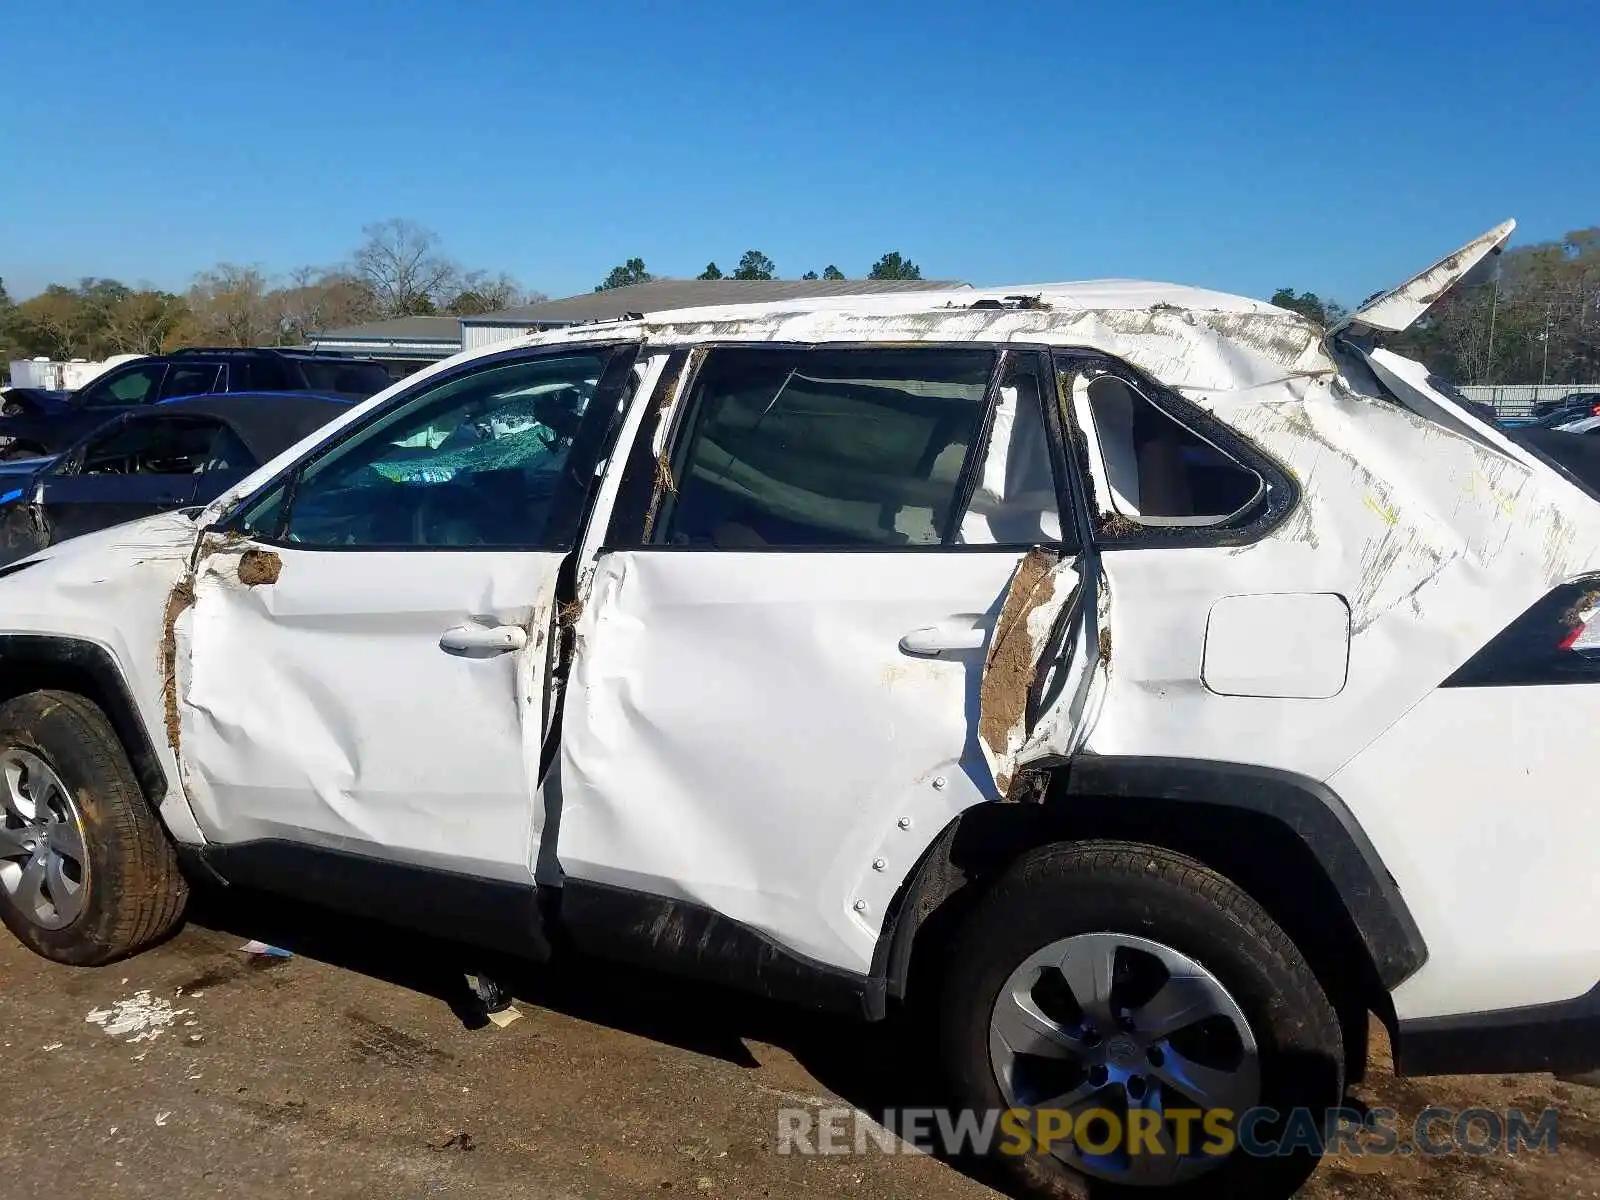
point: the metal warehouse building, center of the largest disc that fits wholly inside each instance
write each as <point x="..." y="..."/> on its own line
<point x="404" y="345"/>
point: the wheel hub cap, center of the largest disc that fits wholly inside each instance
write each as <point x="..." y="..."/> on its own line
<point x="1110" y="1023"/>
<point x="44" y="871"/>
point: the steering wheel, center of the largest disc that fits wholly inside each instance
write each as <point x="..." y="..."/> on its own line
<point x="452" y="514"/>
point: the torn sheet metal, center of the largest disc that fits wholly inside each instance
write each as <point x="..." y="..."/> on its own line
<point x="1214" y="346"/>
<point x="746" y="730"/>
<point x="317" y="702"/>
<point x="1040" y="590"/>
<point x="1401" y="307"/>
<point x="1436" y="540"/>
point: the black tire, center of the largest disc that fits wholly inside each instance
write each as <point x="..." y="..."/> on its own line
<point x="18" y="450"/>
<point x="134" y="891"/>
<point x="1060" y="890"/>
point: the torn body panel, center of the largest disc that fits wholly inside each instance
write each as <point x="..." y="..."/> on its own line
<point x="321" y="702"/>
<point x="1039" y="595"/>
<point x="1435" y="540"/>
<point x="1401" y="307"/>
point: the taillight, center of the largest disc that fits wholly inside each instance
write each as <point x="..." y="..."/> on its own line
<point x="1555" y="641"/>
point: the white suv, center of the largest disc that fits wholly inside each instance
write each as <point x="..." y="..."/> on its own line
<point x="1148" y="680"/>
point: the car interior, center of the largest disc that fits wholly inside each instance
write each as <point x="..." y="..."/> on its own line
<point x="792" y="454"/>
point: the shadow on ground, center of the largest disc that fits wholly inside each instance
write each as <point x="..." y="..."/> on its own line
<point x="873" y="1067"/>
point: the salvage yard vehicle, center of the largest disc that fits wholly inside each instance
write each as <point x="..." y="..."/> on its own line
<point x="1144" y="680"/>
<point x="34" y="423"/>
<point x="176" y="454"/>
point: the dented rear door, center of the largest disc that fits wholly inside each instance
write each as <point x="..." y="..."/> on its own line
<point x="817" y="634"/>
<point x="360" y="659"/>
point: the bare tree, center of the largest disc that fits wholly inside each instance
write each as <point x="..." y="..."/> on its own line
<point x="481" y="292"/>
<point x="319" y="298"/>
<point x="233" y="305"/>
<point x="400" y="261"/>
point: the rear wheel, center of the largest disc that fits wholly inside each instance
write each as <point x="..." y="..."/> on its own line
<point x="87" y="874"/>
<point x="1106" y="986"/>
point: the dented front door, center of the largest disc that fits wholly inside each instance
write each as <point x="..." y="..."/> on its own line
<point x="360" y="662"/>
<point x="829" y="640"/>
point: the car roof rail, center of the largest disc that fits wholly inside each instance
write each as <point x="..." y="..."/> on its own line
<point x="215" y="352"/>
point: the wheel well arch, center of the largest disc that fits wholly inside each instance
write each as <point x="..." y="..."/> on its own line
<point x="1284" y="839"/>
<point x="30" y="662"/>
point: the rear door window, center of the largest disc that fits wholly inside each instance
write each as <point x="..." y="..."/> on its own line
<point x="822" y="447"/>
<point x="343" y="376"/>
<point x="259" y="375"/>
<point x="186" y="379"/>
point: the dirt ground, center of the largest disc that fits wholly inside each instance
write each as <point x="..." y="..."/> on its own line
<point x="352" y="1069"/>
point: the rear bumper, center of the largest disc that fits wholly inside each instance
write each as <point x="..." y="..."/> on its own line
<point x="1563" y="1037"/>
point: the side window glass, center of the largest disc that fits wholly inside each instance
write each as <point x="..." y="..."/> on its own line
<point x="822" y="447"/>
<point x="1148" y="468"/>
<point x="344" y="377"/>
<point x="150" y="448"/>
<point x="475" y="461"/>
<point x="196" y="380"/>
<point x="1014" y="498"/>
<point x="229" y="453"/>
<point x="260" y="375"/>
<point x="138" y="386"/>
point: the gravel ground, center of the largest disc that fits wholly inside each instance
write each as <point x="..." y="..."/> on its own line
<point x="354" y="1069"/>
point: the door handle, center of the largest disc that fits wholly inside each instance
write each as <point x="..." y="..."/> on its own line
<point x="933" y="640"/>
<point x="484" y="639"/>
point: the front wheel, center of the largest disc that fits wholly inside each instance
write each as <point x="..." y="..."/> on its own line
<point x="1145" y="1021"/>
<point x="87" y="874"/>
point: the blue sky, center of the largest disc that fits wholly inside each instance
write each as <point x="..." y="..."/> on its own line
<point x="1227" y="144"/>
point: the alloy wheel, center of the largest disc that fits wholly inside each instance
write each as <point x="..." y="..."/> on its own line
<point x="44" y="867"/>
<point x="1118" y="1023"/>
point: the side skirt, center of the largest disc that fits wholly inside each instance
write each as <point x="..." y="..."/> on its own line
<point x="687" y="939"/>
<point x="490" y="913"/>
<point x="657" y="932"/>
<point x="1563" y="1037"/>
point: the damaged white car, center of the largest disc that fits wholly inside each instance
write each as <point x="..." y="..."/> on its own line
<point x="1150" y="682"/>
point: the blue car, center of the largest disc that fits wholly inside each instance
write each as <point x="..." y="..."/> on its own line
<point x="175" y="454"/>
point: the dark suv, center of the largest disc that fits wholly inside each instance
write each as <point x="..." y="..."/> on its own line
<point x="31" y="426"/>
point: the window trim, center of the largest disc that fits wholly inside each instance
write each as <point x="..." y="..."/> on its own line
<point x="1279" y="496"/>
<point x="619" y="355"/>
<point x="632" y="516"/>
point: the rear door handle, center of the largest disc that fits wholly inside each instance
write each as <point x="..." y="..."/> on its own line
<point x="933" y="640"/>
<point x="484" y="639"/>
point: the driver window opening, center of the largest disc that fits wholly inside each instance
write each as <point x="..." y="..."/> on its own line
<point x="1157" y="472"/>
<point x="475" y="462"/>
